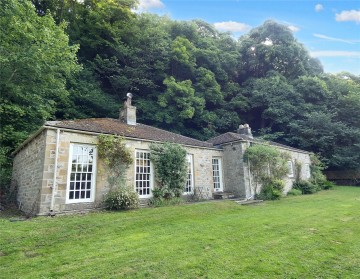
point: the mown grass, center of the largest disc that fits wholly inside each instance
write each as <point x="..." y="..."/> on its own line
<point x="315" y="236"/>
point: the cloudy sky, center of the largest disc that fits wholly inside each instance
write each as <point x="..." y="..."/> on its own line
<point x="329" y="29"/>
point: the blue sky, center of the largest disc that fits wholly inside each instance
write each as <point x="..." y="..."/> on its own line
<point x="329" y="29"/>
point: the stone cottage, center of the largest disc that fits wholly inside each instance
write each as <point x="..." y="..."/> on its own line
<point x="57" y="169"/>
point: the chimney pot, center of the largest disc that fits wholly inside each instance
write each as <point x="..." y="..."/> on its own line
<point x="128" y="112"/>
<point x="245" y="130"/>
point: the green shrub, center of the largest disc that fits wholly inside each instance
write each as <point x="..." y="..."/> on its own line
<point x="294" y="192"/>
<point x="327" y="185"/>
<point x="272" y="190"/>
<point x="171" y="168"/>
<point x="121" y="198"/>
<point x="306" y="187"/>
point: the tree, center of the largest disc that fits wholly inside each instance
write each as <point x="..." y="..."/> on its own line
<point x="36" y="60"/>
<point x="178" y="102"/>
<point x="272" y="100"/>
<point x="272" y="47"/>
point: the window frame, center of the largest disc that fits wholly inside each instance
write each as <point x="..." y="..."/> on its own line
<point x="151" y="173"/>
<point x="291" y="172"/>
<point x="69" y="173"/>
<point x="307" y="171"/>
<point x="190" y="172"/>
<point x="220" y="170"/>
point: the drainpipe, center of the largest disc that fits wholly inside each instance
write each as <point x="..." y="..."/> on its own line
<point x="52" y="213"/>
<point x="250" y="183"/>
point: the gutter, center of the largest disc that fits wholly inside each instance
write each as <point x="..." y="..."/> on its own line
<point x="52" y="213"/>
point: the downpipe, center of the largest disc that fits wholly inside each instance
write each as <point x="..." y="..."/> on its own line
<point x="54" y="186"/>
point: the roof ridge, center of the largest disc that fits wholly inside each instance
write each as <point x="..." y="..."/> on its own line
<point x="172" y="132"/>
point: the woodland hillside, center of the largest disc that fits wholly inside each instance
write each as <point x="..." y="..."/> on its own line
<point x="66" y="59"/>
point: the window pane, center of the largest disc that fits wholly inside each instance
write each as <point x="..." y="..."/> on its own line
<point x="81" y="174"/>
<point x="143" y="173"/>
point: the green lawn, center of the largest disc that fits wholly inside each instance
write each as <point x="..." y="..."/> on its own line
<point x="315" y="236"/>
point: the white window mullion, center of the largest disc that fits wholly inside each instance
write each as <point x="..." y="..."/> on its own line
<point x="217" y="174"/>
<point x="143" y="173"/>
<point x="81" y="173"/>
<point x="291" y="168"/>
<point x="189" y="187"/>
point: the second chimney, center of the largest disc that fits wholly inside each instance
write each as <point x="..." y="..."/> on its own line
<point x="245" y="130"/>
<point x="128" y="112"/>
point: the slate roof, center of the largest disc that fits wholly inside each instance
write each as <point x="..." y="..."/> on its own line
<point x="117" y="127"/>
<point x="232" y="137"/>
<point x="228" y="137"/>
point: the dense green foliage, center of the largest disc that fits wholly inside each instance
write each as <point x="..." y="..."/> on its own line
<point x="272" y="190"/>
<point x="268" y="166"/>
<point x="306" y="187"/>
<point x="186" y="77"/>
<point x="310" y="236"/>
<point x="171" y="169"/>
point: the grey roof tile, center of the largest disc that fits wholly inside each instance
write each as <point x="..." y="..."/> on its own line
<point x="117" y="127"/>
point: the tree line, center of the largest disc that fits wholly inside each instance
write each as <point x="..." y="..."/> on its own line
<point x="67" y="59"/>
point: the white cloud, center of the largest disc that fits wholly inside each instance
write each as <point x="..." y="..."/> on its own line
<point x="335" y="53"/>
<point x="232" y="26"/>
<point x="319" y="7"/>
<point x="335" y="39"/>
<point x="150" y="4"/>
<point x="293" y="28"/>
<point x="352" y="15"/>
<point x="267" y="42"/>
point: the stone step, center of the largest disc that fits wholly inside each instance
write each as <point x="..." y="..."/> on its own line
<point x="246" y="202"/>
<point x="223" y="195"/>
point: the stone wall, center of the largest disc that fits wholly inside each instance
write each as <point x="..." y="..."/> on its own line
<point x="302" y="158"/>
<point x="60" y="205"/>
<point x="235" y="170"/>
<point x="202" y="167"/>
<point x="238" y="176"/>
<point x="28" y="171"/>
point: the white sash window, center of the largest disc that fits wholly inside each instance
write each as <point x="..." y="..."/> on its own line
<point x="81" y="173"/>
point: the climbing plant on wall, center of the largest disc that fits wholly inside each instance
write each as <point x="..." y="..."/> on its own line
<point x="115" y="155"/>
<point x="266" y="164"/>
<point x="170" y="164"/>
<point x="117" y="158"/>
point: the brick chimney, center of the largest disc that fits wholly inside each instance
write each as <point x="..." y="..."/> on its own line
<point x="128" y="112"/>
<point x="245" y="130"/>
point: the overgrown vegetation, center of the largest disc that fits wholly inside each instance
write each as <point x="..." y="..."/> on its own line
<point x="312" y="236"/>
<point x="272" y="190"/>
<point x="171" y="169"/>
<point x="268" y="166"/>
<point x="317" y="179"/>
<point x="117" y="158"/>
<point x="187" y="77"/>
